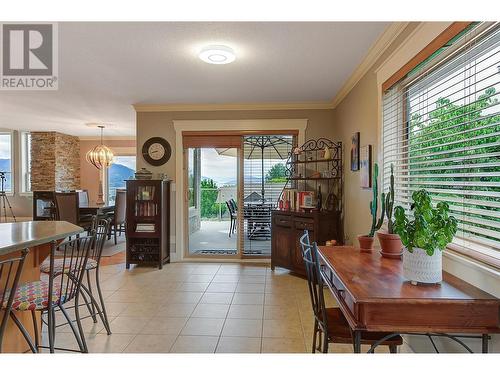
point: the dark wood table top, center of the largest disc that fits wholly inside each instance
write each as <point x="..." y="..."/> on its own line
<point x="89" y="209"/>
<point x="371" y="277"/>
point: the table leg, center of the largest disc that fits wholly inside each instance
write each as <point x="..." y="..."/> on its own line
<point x="357" y="341"/>
<point x="485" y="343"/>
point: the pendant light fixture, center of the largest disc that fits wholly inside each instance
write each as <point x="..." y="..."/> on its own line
<point x="100" y="156"/>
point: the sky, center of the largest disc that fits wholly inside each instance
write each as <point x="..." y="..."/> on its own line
<point x="128" y="161"/>
<point x="223" y="169"/>
<point x="5" y="146"/>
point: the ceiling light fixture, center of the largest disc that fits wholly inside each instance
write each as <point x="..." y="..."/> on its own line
<point x="217" y="55"/>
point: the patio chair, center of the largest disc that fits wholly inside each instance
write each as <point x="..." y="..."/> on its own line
<point x="233" y="216"/>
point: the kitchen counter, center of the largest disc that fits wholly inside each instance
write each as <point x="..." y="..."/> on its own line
<point x="18" y="236"/>
<point x="37" y="236"/>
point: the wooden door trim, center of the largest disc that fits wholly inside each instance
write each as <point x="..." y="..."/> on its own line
<point x="451" y="31"/>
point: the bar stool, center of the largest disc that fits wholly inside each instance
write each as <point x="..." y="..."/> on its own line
<point x="330" y="325"/>
<point x="64" y="283"/>
<point x="10" y="272"/>
<point x="101" y="228"/>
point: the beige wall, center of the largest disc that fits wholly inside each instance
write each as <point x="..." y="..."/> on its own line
<point x="160" y="124"/>
<point x="359" y="112"/>
<point x="89" y="173"/>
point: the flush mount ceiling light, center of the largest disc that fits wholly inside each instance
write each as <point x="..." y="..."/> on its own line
<point x="217" y="55"/>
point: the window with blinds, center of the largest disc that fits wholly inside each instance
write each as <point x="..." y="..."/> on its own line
<point x="441" y="130"/>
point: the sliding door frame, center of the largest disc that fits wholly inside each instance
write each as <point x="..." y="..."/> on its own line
<point x="217" y="128"/>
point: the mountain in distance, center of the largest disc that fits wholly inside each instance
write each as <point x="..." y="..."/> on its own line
<point x="117" y="174"/>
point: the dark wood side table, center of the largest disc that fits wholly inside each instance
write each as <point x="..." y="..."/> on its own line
<point x="374" y="296"/>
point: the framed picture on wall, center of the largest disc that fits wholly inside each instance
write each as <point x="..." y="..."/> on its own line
<point x="366" y="166"/>
<point x="355" y="152"/>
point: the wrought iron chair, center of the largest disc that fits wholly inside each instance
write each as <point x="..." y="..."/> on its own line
<point x="233" y="216"/>
<point x="64" y="283"/>
<point x="10" y="272"/>
<point x="330" y="325"/>
<point x="95" y="308"/>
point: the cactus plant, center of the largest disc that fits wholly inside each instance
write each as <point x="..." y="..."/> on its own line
<point x="389" y="203"/>
<point x="374" y="204"/>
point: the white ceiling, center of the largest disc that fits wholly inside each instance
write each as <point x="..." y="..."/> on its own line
<point x="104" y="68"/>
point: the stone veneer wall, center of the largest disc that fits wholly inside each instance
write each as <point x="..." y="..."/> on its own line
<point x="67" y="162"/>
<point x="55" y="161"/>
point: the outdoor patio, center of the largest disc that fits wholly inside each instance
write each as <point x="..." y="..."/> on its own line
<point x="212" y="238"/>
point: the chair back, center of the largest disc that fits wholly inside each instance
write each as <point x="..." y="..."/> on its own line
<point x="234" y="205"/>
<point x="101" y="228"/>
<point x="120" y="207"/>
<point x="83" y="198"/>
<point x="10" y="272"/>
<point x="230" y="208"/>
<point x="67" y="207"/>
<point x="66" y="278"/>
<point x="314" y="280"/>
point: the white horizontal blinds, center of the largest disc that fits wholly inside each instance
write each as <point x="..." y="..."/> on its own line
<point x="442" y="132"/>
<point x="264" y="165"/>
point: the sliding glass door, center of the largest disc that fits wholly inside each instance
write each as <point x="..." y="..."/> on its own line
<point x="264" y="177"/>
<point x="212" y="187"/>
<point x="232" y="183"/>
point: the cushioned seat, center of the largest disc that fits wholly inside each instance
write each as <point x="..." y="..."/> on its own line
<point x="58" y="264"/>
<point x="34" y="296"/>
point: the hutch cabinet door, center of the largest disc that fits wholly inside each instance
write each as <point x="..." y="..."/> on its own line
<point x="282" y="241"/>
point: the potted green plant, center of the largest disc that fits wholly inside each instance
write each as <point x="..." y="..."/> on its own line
<point x="390" y="242"/>
<point x="424" y="237"/>
<point x="366" y="241"/>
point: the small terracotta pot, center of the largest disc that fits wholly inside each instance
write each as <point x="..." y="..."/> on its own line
<point x="365" y="243"/>
<point x="391" y="245"/>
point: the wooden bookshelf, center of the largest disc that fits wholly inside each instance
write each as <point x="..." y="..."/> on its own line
<point x="148" y="222"/>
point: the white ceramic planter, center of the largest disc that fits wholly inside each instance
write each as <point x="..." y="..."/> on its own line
<point x="418" y="267"/>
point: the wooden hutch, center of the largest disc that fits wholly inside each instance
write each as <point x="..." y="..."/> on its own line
<point x="148" y="222"/>
<point x="315" y="166"/>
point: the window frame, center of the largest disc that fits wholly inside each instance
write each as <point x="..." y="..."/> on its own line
<point x="105" y="181"/>
<point x="24" y="157"/>
<point x="10" y="132"/>
<point x="464" y="247"/>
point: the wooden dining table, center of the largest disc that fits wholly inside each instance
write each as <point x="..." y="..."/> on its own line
<point x="374" y="296"/>
<point x="94" y="209"/>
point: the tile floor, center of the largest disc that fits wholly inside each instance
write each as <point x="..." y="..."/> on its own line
<point x="202" y="308"/>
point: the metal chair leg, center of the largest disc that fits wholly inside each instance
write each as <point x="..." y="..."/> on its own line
<point x="73" y="328"/>
<point x="51" y="327"/>
<point x="94" y="302"/>
<point x="35" y="327"/>
<point x="101" y="299"/>
<point x="315" y="334"/>
<point x="24" y="332"/>
<point x="79" y="323"/>
<point x="325" y="342"/>
<point x="90" y="290"/>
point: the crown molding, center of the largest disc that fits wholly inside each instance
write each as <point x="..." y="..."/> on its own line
<point x="233" y="106"/>
<point x="109" y="138"/>
<point x="375" y="51"/>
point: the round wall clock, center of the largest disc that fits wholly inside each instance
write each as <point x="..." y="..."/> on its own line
<point x="156" y="151"/>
